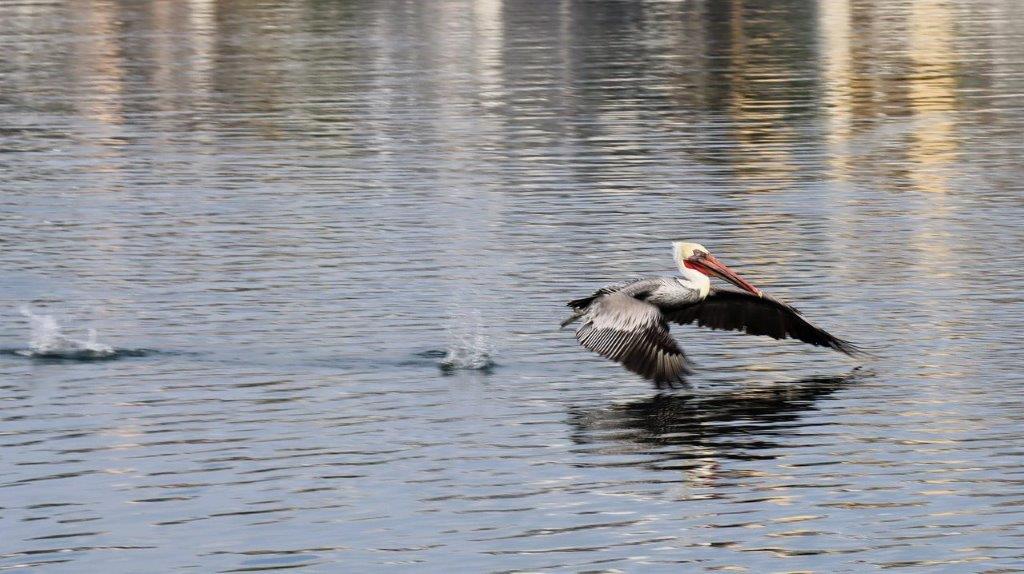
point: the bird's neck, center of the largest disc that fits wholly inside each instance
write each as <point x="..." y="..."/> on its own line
<point x="696" y="280"/>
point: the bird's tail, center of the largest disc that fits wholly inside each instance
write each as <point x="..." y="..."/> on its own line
<point x="583" y="302"/>
<point x="579" y="308"/>
<point x="576" y="315"/>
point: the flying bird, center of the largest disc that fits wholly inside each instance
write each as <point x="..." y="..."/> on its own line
<point x="628" y="322"/>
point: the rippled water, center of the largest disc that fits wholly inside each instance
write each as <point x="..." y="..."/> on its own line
<point x="289" y="217"/>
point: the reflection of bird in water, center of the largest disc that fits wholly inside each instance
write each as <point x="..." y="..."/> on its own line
<point x="694" y="432"/>
<point x="629" y="322"/>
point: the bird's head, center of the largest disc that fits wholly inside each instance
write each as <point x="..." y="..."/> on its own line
<point x="683" y="250"/>
<point x="697" y="257"/>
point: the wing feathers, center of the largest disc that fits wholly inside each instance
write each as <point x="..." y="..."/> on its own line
<point x="738" y="311"/>
<point x="622" y="327"/>
<point x="633" y="333"/>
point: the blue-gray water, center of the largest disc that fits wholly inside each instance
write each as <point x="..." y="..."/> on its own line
<point x="288" y="213"/>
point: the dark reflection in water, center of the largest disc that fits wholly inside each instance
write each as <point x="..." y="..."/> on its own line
<point x="736" y="424"/>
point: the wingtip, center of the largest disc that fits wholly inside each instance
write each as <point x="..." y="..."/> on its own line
<point x="851" y="349"/>
<point x="673" y="383"/>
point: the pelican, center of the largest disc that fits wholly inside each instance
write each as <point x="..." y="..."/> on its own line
<point x="628" y="322"/>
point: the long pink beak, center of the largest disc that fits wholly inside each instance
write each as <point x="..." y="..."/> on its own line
<point x="709" y="265"/>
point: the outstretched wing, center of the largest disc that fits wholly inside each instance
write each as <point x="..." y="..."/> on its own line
<point x="633" y="333"/>
<point x="740" y="311"/>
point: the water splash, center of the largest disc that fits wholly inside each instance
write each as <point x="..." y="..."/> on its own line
<point x="49" y="342"/>
<point x="468" y="348"/>
<point x="473" y="355"/>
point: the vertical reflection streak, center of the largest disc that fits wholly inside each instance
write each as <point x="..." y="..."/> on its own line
<point x="931" y="86"/>
<point x="834" y="41"/>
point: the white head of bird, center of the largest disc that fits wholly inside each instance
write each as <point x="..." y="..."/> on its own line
<point x="683" y="250"/>
<point x="695" y="256"/>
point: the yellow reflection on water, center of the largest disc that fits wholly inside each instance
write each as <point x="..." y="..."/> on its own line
<point x="932" y="145"/>
<point x="834" y="37"/>
<point x="762" y="164"/>
<point x="97" y="62"/>
<point x="931" y="92"/>
<point x="858" y="85"/>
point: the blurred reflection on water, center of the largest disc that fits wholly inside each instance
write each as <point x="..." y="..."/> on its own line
<point x="683" y="427"/>
<point x="285" y="215"/>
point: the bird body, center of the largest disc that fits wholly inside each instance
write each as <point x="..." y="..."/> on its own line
<point x="675" y="291"/>
<point x="628" y="322"/>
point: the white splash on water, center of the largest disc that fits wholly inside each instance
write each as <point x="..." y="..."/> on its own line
<point x="470" y="354"/>
<point x="467" y="348"/>
<point x="48" y="340"/>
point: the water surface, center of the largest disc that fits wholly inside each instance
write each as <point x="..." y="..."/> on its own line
<point x="285" y="216"/>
